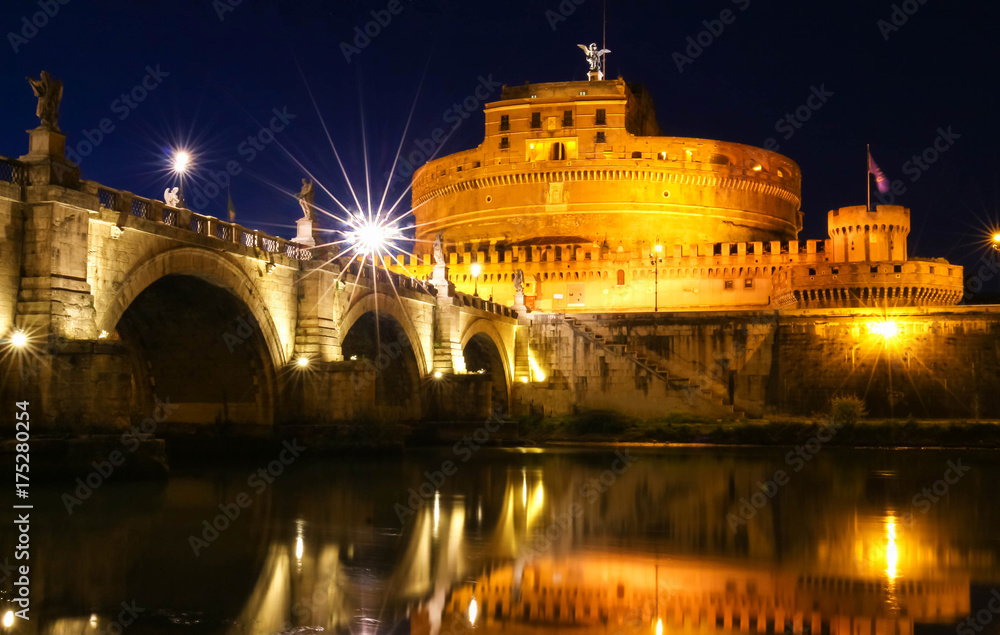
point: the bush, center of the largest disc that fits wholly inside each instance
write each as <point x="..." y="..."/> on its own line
<point x="599" y="422"/>
<point x="847" y="409"/>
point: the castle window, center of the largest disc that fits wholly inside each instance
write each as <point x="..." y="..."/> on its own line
<point x="536" y="120"/>
<point x="504" y="122"/>
<point x="558" y="152"/>
<point x="636" y="155"/>
<point x="748" y="283"/>
<point x="504" y="142"/>
<point x="621" y="277"/>
<point x="812" y="272"/>
<point x="458" y="169"/>
<point x="662" y="156"/>
<point x="567" y="118"/>
<point x="601" y="138"/>
<point x="835" y="270"/>
<point x="932" y="269"/>
<point x="897" y="268"/>
<point x="729" y="285"/>
<point x="875" y="269"/>
<point x="602" y="117"/>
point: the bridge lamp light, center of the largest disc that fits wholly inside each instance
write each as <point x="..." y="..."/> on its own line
<point x="182" y="160"/>
<point x="302" y="362"/>
<point x="473" y="611"/>
<point x="996" y="241"/>
<point x="437" y="374"/>
<point x="659" y="626"/>
<point x="19" y="339"/>
<point x="8" y="619"/>
<point x="476" y="270"/>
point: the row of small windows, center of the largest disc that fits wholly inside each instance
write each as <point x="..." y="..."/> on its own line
<point x="600" y="119"/>
<point x="558" y="149"/>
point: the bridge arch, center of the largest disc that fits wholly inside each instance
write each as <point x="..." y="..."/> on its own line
<point x="387" y="305"/>
<point x="209" y="266"/>
<point x="198" y="332"/>
<point x="478" y="332"/>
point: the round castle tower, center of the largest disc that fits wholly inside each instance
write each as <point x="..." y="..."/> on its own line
<point x="863" y="235"/>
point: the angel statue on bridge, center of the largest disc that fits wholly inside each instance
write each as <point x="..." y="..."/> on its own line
<point x="306" y="197"/>
<point x="49" y="93"/>
<point x="171" y="197"/>
<point x="594" y="58"/>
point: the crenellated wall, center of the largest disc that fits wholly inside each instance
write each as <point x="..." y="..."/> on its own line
<point x="584" y="277"/>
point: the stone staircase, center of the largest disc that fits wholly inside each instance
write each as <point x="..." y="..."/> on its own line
<point x="698" y="386"/>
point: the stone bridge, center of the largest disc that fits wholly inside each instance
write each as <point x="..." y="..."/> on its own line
<point x="125" y="301"/>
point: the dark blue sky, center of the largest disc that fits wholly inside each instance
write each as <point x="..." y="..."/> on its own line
<point x="224" y="78"/>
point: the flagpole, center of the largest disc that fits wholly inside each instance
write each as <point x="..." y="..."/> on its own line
<point x="868" y="182"/>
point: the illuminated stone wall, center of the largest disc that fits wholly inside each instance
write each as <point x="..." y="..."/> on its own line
<point x="10" y="253"/>
<point x="933" y="363"/>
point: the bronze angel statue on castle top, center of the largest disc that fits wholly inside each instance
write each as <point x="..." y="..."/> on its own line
<point x="594" y="56"/>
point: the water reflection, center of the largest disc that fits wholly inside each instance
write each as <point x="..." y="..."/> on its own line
<point x="528" y="543"/>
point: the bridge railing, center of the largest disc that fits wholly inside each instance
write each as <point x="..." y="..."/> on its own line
<point x="13" y="171"/>
<point x="159" y="212"/>
<point x="464" y="299"/>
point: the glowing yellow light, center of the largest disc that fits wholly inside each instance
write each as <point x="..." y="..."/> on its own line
<point x="303" y="362"/>
<point x="19" y="339"/>
<point x="354" y="358"/>
<point x="93" y="619"/>
<point x="437" y="511"/>
<point x="757" y="167"/>
<point x="886" y="328"/>
<point x="473" y="611"/>
<point x="437" y="374"/>
<point x="370" y="235"/>
<point x="8" y="619"/>
<point x="299" y="547"/>
<point x="659" y="248"/>
<point x="659" y="626"/>
<point x="536" y="370"/>
<point x="891" y="555"/>
<point x="476" y="270"/>
<point x="996" y="238"/>
<point x="524" y="490"/>
<point x="181" y="162"/>
<point x="103" y="335"/>
<point x="524" y="380"/>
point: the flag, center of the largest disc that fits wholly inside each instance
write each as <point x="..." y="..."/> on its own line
<point x="232" y="210"/>
<point x="881" y="182"/>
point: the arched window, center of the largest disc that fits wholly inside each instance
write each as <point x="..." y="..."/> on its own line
<point x="621" y="277"/>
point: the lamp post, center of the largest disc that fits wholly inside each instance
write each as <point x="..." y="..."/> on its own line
<point x="476" y="270"/>
<point x="182" y="160"/>
<point x="654" y="259"/>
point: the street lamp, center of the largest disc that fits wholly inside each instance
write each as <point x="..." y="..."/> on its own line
<point x="19" y="339"/>
<point x="654" y="259"/>
<point x="181" y="163"/>
<point x="996" y="241"/>
<point x="476" y="270"/>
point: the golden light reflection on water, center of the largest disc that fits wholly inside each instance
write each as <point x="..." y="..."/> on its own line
<point x="651" y="552"/>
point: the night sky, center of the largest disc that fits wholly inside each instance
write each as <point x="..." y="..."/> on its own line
<point x="216" y="81"/>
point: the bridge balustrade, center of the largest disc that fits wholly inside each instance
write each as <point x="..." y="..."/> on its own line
<point x="156" y="211"/>
<point x="13" y="171"/>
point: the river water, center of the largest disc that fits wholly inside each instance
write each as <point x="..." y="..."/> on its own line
<point x="874" y="542"/>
